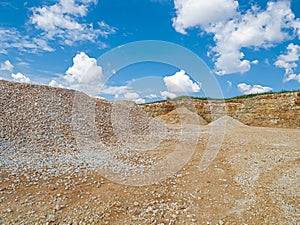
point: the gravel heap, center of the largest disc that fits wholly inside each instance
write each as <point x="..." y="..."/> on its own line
<point x="42" y="128"/>
<point x="130" y="121"/>
<point x="227" y="121"/>
<point x="182" y="115"/>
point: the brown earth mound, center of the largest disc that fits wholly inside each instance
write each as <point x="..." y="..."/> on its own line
<point x="182" y="115"/>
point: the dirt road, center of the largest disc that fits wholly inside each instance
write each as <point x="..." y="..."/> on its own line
<point x="254" y="179"/>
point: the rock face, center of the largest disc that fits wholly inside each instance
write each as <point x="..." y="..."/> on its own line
<point x="182" y="115"/>
<point x="269" y="110"/>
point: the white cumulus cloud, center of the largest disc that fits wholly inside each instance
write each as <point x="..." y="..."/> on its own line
<point x="83" y="70"/>
<point x="19" y="77"/>
<point x="289" y="62"/>
<point x="135" y="97"/>
<point x="64" y="20"/>
<point x="6" y="66"/>
<point x="253" y="89"/>
<point x="166" y="95"/>
<point x="54" y="83"/>
<point x="192" y="13"/>
<point x="131" y="95"/>
<point x="181" y="83"/>
<point x="140" y="101"/>
<point x="234" y="30"/>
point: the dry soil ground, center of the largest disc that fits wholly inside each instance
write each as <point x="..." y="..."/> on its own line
<point x="254" y="179"/>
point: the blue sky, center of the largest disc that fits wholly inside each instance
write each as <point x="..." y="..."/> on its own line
<point x="249" y="46"/>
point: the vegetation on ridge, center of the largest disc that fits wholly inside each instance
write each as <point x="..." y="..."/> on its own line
<point x="231" y="98"/>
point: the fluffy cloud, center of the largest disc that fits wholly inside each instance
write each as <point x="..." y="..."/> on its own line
<point x="233" y="30"/>
<point x="84" y="75"/>
<point x="54" y="83"/>
<point x="289" y="61"/>
<point x="255" y="29"/>
<point x="11" y="38"/>
<point x="151" y="96"/>
<point x="292" y="76"/>
<point x="193" y="13"/>
<point x="253" y="89"/>
<point x="123" y="92"/>
<point x="139" y="101"/>
<point x="131" y="95"/>
<point x="83" y="70"/>
<point x="62" y="20"/>
<point x="135" y="97"/>
<point x="19" y="77"/>
<point x="166" y="95"/>
<point x="6" y="66"/>
<point x="181" y="83"/>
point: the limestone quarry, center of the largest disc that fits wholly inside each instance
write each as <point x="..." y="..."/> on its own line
<point x="67" y="158"/>
<point x="280" y="110"/>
